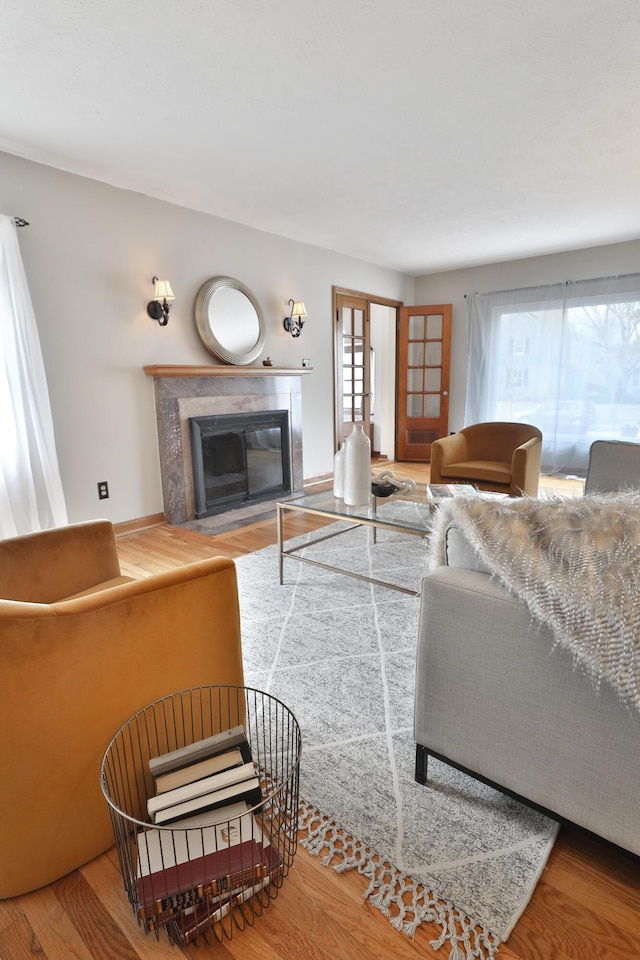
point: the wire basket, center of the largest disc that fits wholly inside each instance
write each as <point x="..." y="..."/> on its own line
<point x="208" y="873"/>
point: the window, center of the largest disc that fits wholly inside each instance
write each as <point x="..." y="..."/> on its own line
<point x="581" y="342"/>
<point x="31" y="496"/>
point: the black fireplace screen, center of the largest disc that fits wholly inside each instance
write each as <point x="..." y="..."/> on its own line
<point x="239" y="459"/>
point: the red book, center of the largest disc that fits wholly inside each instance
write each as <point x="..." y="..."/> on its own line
<point x="201" y="880"/>
<point x="187" y="926"/>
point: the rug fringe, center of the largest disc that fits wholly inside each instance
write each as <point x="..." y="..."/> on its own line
<point x="388" y="889"/>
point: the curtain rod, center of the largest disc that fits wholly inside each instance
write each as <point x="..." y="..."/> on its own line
<point x="566" y="283"/>
<point x="20" y="222"/>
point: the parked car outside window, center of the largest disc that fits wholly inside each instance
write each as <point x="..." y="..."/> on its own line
<point x="566" y="416"/>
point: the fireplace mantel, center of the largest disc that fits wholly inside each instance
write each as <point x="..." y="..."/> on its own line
<point x="183" y="391"/>
<point x="177" y="370"/>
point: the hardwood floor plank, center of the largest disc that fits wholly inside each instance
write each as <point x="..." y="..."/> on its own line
<point x="582" y="882"/>
<point x="10" y="912"/>
<point x="619" y="867"/>
<point x="249" y="940"/>
<point x="102" y="936"/>
<point x="534" y="946"/>
<point x="277" y="930"/>
<point x="19" y="942"/>
<point x="53" y="927"/>
<point x="572" y="929"/>
<point x="105" y="880"/>
<point x="340" y="898"/>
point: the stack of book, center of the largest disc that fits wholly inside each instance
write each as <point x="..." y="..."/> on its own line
<point x="216" y="854"/>
<point x="437" y="492"/>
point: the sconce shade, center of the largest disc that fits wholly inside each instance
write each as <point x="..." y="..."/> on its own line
<point x="294" y="323"/>
<point x="158" y="308"/>
<point x="163" y="290"/>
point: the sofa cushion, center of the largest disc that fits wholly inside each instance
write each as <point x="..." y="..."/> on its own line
<point x="493" y="471"/>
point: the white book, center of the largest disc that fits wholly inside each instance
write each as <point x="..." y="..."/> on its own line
<point x="192" y="752"/>
<point x="199" y="787"/>
<point x="197" y="836"/>
<point x="196" y="771"/>
<point x="207" y="801"/>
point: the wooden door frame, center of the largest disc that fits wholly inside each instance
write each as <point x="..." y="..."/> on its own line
<point x="384" y="302"/>
<point x="422" y="451"/>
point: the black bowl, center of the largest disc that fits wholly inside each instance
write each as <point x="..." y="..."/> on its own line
<point x="382" y="489"/>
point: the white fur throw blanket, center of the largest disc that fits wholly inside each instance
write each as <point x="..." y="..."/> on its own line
<point x="573" y="562"/>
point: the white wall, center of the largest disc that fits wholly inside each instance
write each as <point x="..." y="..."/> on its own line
<point x="89" y="253"/>
<point x="451" y="287"/>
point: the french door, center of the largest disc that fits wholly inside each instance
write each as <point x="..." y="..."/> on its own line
<point x="352" y="365"/>
<point x="424" y="357"/>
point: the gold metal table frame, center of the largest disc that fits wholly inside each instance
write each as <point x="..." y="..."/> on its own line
<point x="326" y="505"/>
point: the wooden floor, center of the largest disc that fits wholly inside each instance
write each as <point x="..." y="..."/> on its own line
<point x="585" y="907"/>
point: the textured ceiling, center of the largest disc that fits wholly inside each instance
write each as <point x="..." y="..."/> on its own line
<point x="422" y="135"/>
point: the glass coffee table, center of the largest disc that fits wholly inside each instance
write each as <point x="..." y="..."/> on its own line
<point x="410" y="513"/>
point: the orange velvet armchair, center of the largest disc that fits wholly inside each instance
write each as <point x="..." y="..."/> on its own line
<point x="82" y="649"/>
<point x="503" y="457"/>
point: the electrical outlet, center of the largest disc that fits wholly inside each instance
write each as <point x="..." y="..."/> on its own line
<point x="103" y="490"/>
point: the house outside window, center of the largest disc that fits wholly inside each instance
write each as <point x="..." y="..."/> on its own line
<point x="519" y="346"/>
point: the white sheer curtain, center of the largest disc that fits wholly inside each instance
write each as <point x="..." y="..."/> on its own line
<point x="31" y="496"/>
<point x="564" y="357"/>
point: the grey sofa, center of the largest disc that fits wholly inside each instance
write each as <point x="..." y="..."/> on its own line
<point x="495" y="697"/>
<point x="613" y="465"/>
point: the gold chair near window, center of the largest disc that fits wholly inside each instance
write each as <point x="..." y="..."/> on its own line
<point x="83" y="649"/>
<point x="502" y="457"/>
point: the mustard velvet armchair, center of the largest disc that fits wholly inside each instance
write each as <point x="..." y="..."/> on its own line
<point x="83" y="649"/>
<point x="503" y="457"/>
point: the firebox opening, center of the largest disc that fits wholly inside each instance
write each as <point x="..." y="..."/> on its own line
<point x="239" y="459"/>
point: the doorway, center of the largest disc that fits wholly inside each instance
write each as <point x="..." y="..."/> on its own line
<point x="365" y="367"/>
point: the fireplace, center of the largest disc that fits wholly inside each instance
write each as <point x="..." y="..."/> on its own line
<point x="239" y="459"/>
<point x="186" y="392"/>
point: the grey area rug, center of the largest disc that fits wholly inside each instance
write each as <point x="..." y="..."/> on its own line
<point x="340" y="654"/>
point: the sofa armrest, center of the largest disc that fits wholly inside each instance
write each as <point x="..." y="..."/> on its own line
<point x="455" y="551"/>
<point x="45" y="566"/>
<point x="129" y="590"/>
<point x="451" y="449"/>
<point x="525" y="467"/>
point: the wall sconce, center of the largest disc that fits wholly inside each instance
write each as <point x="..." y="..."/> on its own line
<point x="158" y="308"/>
<point x="294" y="323"/>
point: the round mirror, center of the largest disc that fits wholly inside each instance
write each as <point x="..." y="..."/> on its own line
<point x="229" y="320"/>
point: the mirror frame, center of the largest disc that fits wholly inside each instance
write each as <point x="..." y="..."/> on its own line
<point x="211" y="342"/>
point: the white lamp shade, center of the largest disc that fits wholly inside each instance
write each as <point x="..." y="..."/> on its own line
<point x="163" y="290"/>
<point x="299" y="309"/>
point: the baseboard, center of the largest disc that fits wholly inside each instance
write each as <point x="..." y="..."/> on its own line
<point x="311" y="482"/>
<point x="130" y="526"/>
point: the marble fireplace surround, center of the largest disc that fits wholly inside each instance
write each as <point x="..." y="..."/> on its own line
<point x="182" y="392"/>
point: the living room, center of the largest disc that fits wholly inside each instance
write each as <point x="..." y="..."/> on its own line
<point x="94" y="241"/>
<point x="98" y="246"/>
